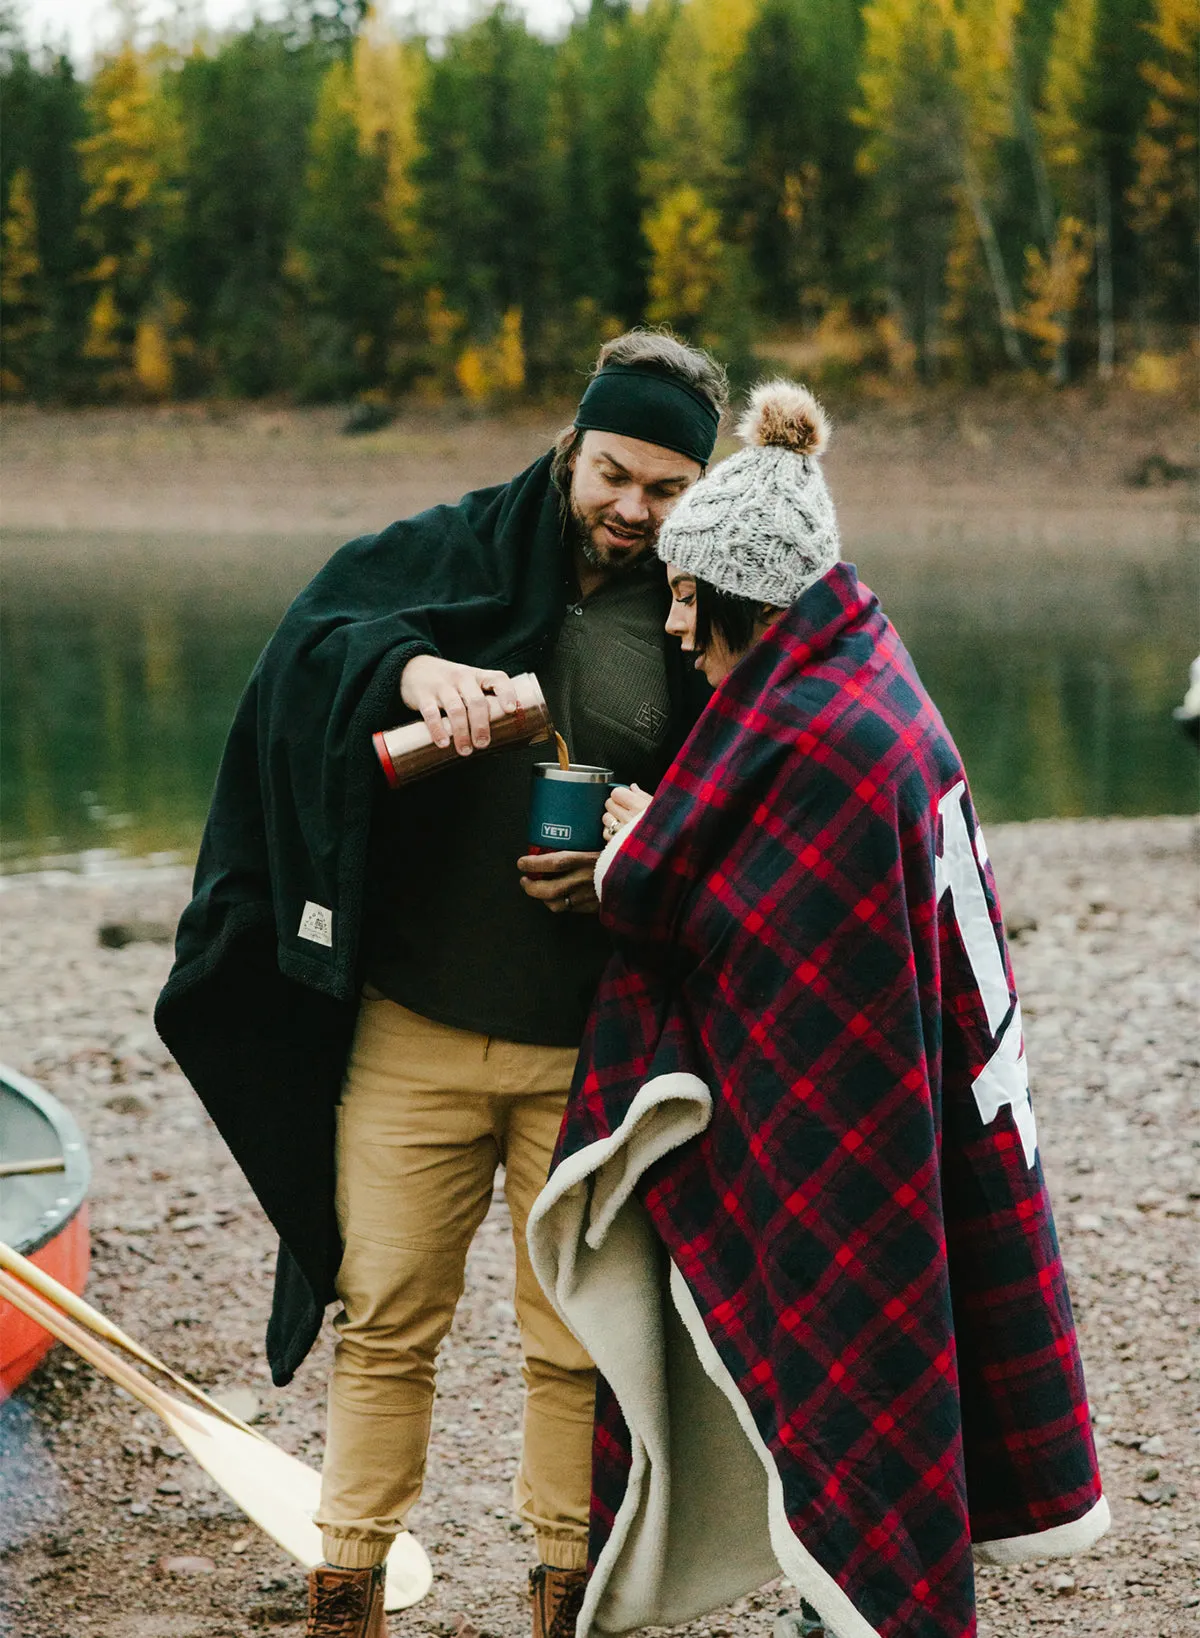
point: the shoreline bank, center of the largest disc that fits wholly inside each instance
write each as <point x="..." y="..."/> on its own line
<point x="895" y="466"/>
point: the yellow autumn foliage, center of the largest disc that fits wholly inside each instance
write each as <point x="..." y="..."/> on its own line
<point x="153" y="366"/>
<point x="471" y="373"/>
<point x="496" y="368"/>
<point x="22" y="264"/>
<point x="984" y="36"/>
<point x="902" y="40"/>
<point x="388" y="77"/>
<point x="1154" y="373"/>
<point x="131" y="164"/>
<point x="1063" y="119"/>
<point x="442" y="323"/>
<point x="1166" y="151"/>
<point x="1053" y="285"/>
<point x="684" y="235"/>
<point x="21" y="294"/>
<point x="690" y="114"/>
<point x="101" y="341"/>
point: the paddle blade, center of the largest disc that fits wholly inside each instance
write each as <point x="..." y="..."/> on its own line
<point x="281" y="1493"/>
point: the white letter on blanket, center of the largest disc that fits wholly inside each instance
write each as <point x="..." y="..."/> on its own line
<point x="1004" y="1079"/>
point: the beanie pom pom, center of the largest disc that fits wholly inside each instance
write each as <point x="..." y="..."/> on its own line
<point x="785" y="415"/>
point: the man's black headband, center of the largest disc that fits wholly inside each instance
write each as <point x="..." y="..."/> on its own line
<point x="658" y="409"/>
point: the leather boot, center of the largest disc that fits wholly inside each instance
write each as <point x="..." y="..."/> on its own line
<point x="345" y="1603"/>
<point x="557" y="1597"/>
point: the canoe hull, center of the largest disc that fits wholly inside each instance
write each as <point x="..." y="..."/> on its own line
<point x="23" y="1345"/>
<point x="44" y="1216"/>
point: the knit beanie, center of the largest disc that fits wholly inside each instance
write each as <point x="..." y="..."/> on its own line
<point x="761" y="524"/>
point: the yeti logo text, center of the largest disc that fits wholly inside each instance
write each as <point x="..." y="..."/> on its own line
<point x="1004" y="1079"/>
<point x="557" y="833"/>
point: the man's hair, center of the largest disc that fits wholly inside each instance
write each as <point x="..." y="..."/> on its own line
<point x="654" y="350"/>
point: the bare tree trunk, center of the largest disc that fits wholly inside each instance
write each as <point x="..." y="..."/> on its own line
<point x="1037" y="163"/>
<point x="1058" y="370"/>
<point x="1106" y="335"/>
<point x="931" y="339"/>
<point x="995" y="264"/>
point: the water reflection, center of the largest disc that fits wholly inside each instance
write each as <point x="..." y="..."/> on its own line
<point x="119" y="680"/>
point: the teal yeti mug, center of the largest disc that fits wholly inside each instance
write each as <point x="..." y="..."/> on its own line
<point x="566" y="810"/>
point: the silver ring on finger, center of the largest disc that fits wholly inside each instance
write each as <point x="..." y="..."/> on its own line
<point x="566" y="901"/>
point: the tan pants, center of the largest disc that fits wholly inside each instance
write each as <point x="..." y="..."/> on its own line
<point x="427" y="1114"/>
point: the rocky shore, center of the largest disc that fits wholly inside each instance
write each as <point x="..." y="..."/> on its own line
<point x="107" y="1528"/>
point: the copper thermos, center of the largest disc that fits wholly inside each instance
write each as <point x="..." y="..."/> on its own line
<point x="409" y="753"/>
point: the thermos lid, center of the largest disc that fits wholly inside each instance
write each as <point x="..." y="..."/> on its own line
<point x="577" y="774"/>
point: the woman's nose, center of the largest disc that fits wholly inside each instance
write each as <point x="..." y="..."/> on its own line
<point x="678" y="625"/>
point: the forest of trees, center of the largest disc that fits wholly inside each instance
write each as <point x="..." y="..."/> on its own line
<point x="322" y="208"/>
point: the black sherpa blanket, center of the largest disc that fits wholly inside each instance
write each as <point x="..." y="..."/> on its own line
<point x="797" y="1213"/>
<point x="261" y="1002"/>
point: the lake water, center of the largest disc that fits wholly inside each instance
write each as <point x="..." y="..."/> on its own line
<point x="124" y="657"/>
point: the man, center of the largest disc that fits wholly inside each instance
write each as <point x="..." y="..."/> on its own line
<point x="378" y="996"/>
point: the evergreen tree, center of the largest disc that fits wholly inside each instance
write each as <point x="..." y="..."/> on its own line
<point x="688" y="177"/>
<point x="23" y="322"/>
<point x="45" y="120"/>
<point x="796" y="193"/>
<point x="598" y="141"/>
<point x="912" y="158"/>
<point x="324" y="22"/>
<point x="1055" y="276"/>
<point x="389" y="79"/>
<point x="131" y="165"/>
<point x="246" y="113"/>
<point x="1119" y="99"/>
<point x="692" y="127"/>
<point x="1166" y="207"/>
<point x="982" y="73"/>
<point x="342" y="249"/>
<point x="484" y="195"/>
<point x="320" y="206"/>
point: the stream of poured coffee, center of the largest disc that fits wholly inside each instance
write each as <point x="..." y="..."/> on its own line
<point x="564" y="756"/>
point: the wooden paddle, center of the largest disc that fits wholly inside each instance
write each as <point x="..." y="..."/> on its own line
<point x="63" y="1297"/>
<point x="279" y="1492"/>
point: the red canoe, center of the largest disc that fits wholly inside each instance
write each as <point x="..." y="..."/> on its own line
<point x="43" y="1212"/>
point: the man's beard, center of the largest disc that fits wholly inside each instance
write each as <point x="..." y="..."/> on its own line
<point x="581" y="525"/>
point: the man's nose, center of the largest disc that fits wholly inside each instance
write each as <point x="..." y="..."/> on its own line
<point x="633" y="506"/>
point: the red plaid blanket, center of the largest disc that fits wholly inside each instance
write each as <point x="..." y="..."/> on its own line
<point x="851" y="1224"/>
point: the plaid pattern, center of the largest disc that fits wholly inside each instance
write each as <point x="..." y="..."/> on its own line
<point x="877" y="1267"/>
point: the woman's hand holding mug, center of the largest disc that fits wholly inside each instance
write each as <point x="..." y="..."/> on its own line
<point x="625" y="803"/>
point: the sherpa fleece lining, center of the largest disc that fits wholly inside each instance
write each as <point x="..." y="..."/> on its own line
<point x="703" y="1520"/>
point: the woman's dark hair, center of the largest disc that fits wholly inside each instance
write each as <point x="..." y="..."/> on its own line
<point x="725" y="615"/>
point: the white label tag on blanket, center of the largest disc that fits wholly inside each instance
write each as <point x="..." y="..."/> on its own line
<point x="316" y="924"/>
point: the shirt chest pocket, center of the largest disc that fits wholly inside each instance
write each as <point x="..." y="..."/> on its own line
<point x="627" y="708"/>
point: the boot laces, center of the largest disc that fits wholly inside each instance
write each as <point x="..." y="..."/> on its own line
<point x="341" y="1600"/>
<point x="564" y="1610"/>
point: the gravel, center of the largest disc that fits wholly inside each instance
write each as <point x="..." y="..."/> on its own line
<point x="107" y="1527"/>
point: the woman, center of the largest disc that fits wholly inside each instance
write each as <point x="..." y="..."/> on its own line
<point x="797" y="1213"/>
